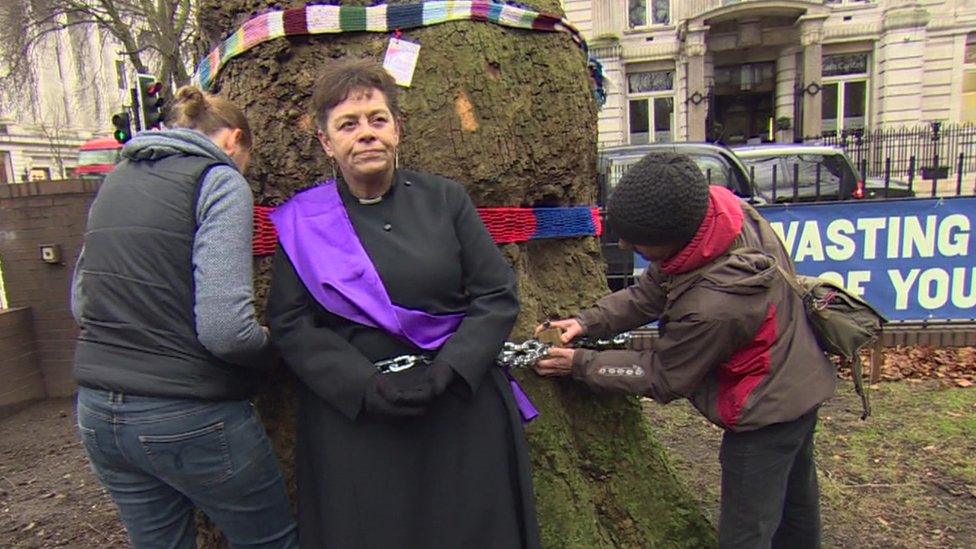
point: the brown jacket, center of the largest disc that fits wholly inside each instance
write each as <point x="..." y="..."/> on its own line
<point x="734" y="338"/>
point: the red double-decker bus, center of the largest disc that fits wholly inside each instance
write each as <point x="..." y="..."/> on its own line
<point x="97" y="157"/>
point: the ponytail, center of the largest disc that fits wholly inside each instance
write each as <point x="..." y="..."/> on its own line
<point x="196" y="110"/>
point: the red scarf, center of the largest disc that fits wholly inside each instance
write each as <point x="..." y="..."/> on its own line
<point x="721" y="226"/>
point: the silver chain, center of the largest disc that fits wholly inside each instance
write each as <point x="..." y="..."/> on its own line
<point x="512" y="355"/>
<point x="521" y="355"/>
<point x="619" y="341"/>
<point x="401" y="363"/>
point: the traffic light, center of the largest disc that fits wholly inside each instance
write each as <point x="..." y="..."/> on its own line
<point x="150" y="101"/>
<point x="123" y="128"/>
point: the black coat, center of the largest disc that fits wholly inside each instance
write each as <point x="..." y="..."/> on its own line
<point x="456" y="477"/>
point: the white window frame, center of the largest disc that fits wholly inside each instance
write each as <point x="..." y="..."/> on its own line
<point x="967" y="69"/>
<point x="5" y="166"/>
<point x="841" y="98"/>
<point x="649" y="15"/>
<point x="650" y="94"/>
<point x="650" y="97"/>
<point x="3" y="292"/>
<point x="842" y="79"/>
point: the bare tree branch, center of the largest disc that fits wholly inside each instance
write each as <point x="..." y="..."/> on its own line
<point x="151" y="33"/>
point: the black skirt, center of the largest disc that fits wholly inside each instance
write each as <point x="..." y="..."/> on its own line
<point x="458" y="477"/>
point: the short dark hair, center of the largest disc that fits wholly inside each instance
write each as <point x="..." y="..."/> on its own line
<point x="342" y="77"/>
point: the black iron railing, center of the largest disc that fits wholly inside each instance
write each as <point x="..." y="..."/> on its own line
<point x="922" y="155"/>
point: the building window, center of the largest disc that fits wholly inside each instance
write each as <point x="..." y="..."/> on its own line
<point x="120" y="75"/>
<point x="5" y="170"/>
<point x="649" y="12"/>
<point x="969" y="80"/>
<point x="3" y="293"/>
<point x="844" y="97"/>
<point x="39" y="174"/>
<point x="651" y="106"/>
<point x="650" y="82"/>
<point x="747" y="77"/>
<point x="841" y="65"/>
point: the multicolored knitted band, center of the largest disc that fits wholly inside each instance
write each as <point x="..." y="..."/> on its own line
<point x="326" y="19"/>
<point x="506" y="225"/>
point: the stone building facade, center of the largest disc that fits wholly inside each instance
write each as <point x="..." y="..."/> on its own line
<point x="740" y="71"/>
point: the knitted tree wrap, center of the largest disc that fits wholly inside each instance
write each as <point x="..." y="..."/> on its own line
<point x="328" y="19"/>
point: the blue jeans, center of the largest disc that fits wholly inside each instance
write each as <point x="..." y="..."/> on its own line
<point x="160" y="457"/>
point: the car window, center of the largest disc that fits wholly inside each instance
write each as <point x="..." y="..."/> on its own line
<point x="718" y="170"/>
<point x="833" y="163"/>
<point x="716" y="173"/>
<point x="809" y="168"/>
<point x="98" y="157"/>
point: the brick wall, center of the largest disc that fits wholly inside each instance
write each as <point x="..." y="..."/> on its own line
<point x="20" y="372"/>
<point x="32" y="215"/>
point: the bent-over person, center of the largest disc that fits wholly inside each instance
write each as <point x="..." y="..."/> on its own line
<point x="170" y="349"/>
<point x="733" y="339"/>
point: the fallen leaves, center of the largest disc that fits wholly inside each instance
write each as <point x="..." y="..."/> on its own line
<point x="954" y="366"/>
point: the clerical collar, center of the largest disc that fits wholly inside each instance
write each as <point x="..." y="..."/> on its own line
<point x="372" y="199"/>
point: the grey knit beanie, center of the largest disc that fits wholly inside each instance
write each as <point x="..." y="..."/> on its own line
<point x="662" y="199"/>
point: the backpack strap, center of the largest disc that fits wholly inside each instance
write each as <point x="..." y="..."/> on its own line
<point x="790" y="278"/>
<point x="856" y="373"/>
<point x="853" y="363"/>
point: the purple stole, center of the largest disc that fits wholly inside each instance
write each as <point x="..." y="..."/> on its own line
<point x="315" y="231"/>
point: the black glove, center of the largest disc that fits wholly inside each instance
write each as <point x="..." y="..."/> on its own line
<point x="411" y="385"/>
<point x="397" y="395"/>
<point x="439" y="376"/>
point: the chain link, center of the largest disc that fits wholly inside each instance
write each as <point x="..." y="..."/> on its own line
<point x="401" y="363"/>
<point x="619" y="341"/>
<point x="521" y="355"/>
<point x="513" y="355"/>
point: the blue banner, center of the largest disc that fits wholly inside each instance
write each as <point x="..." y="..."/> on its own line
<point x="910" y="259"/>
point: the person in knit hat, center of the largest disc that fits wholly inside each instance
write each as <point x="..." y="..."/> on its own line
<point x="733" y="339"/>
<point x="661" y="200"/>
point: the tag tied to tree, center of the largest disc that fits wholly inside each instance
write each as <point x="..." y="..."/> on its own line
<point x="401" y="60"/>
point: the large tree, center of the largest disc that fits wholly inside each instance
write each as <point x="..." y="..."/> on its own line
<point x="511" y="114"/>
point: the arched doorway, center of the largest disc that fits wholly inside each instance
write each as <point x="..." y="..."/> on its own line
<point x="755" y="57"/>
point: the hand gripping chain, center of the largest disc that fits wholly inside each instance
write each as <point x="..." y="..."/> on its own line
<point x="512" y="355"/>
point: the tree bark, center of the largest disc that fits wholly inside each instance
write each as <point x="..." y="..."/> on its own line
<point x="510" y="114"/>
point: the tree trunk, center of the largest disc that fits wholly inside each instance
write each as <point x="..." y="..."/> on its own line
<point x="510" y="114"/>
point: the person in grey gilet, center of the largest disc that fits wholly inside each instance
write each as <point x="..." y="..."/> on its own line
<point x="170" y="350"/>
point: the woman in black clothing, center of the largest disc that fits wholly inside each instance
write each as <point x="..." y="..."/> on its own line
<point x="381" y="263"/>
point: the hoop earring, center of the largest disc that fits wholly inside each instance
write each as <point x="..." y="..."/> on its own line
<point x="396" y="159"/>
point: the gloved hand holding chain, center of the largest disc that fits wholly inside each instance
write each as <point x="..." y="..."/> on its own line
<point x="513" y="355"/>
<point x="386" y="398"/>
